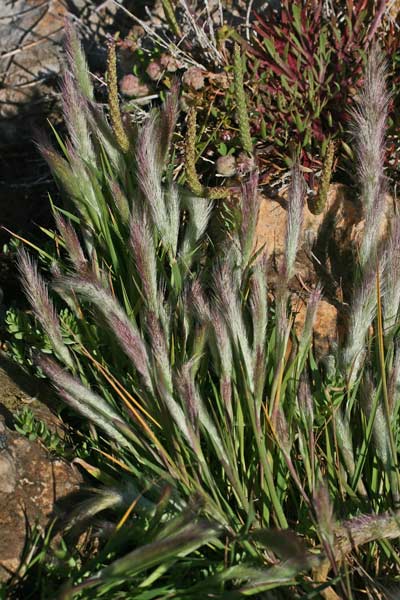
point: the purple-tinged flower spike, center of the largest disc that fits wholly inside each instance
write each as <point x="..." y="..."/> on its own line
<point x="369" y="248"/>
<point x="142" y="245"/>
<point x="259" y="314"/>
<point x="380" y="432"/>
<point x="227" y="297"/>
<point x="77" y="61"/>
<point x="223" y="345"/>
<point x="159" y="349"/>
<point x="189" y="393"/>
<point x="324" y="512"/>
<point x="281" y="309"/>
<point x="199" y="210"/>
<point x="369" y="126"/>
<point x="38" y="296"/>
<point x="379" y="428"/>
<point x="362" y="313"/>
<point x="344" y="440"/>
<point x="282" y="431"/>
<point x="250" y="210"/>
<point x="168" y="118"/>
<point x="198" y="302"/>
<point x="121" y="201"/>
<point x="394" y="380"/>
<point x="86" y="200"/>
<point x="164" y="205"/>
<point x="177" y="414"/>
<point x="75" y="113"/>
<point x="259" y="304"/>
<point x="72" y="244"/>
<point x="72" y="176"/>
<point x="172" y="202"/>
<point x="305" y="402"/>
<point x="103" y="133"/>
<point x="60" y="168"/>
<point x="391" y="283"/>
<point x="150" y="168"/>
<point x="312" y="307"/>
<point x="83" y="400"/>
<point x="124" y="329"/>
<point x="296" y="196"/>
<point x="221" y="349"/>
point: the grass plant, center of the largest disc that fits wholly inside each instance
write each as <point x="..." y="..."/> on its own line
<point x="228" y="462"/>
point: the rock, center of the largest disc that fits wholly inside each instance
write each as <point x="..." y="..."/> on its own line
<point x="326" y="325"/>
<point x="341" y="205"/>
<point x="31" y="482"/>
<point x="30" y="33"/>
<point x="18" y="390"/>
<point x="8" y="479"/>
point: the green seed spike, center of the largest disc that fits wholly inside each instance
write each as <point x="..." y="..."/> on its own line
<point x="217" y="193"/>
<point x="190" y="154"/>
<point x="169" y="12"/>
<point x="192" y="179"/>
<point x="115" y="113"/>
<point x="240" y="95"/>
<point x="319" y="202"/>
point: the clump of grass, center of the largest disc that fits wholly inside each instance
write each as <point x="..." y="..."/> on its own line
<point x="217" y="448"/>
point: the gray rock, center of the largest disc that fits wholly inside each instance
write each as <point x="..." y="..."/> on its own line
<point x="30" y="35"/>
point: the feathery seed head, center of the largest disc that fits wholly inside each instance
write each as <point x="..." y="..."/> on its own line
<point x="187" y="390"/>
<point x="250" y="209"/>
<point x="362" y="312"/>
<point x="75" y="114"/>
<point x="124" y="329"/>
<point x="90" y="405"/>
<point x="296" y="196"/>
<point x="369" y="126"/>
<point x="38" y="296"/>
<point x="77" y="61"/>
<point x="72" y="244"/>
<point x="391" y="280"/>
<point x="312" y="307"/>
<point x="142" y="245"/>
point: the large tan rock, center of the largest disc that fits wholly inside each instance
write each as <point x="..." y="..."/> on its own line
<point x="342" y="207"/>
<point x="327" y="250"/>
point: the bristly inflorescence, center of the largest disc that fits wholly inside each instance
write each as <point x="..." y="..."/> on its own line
<point x="204" y="400"/>
<point x="369" y="126"/>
